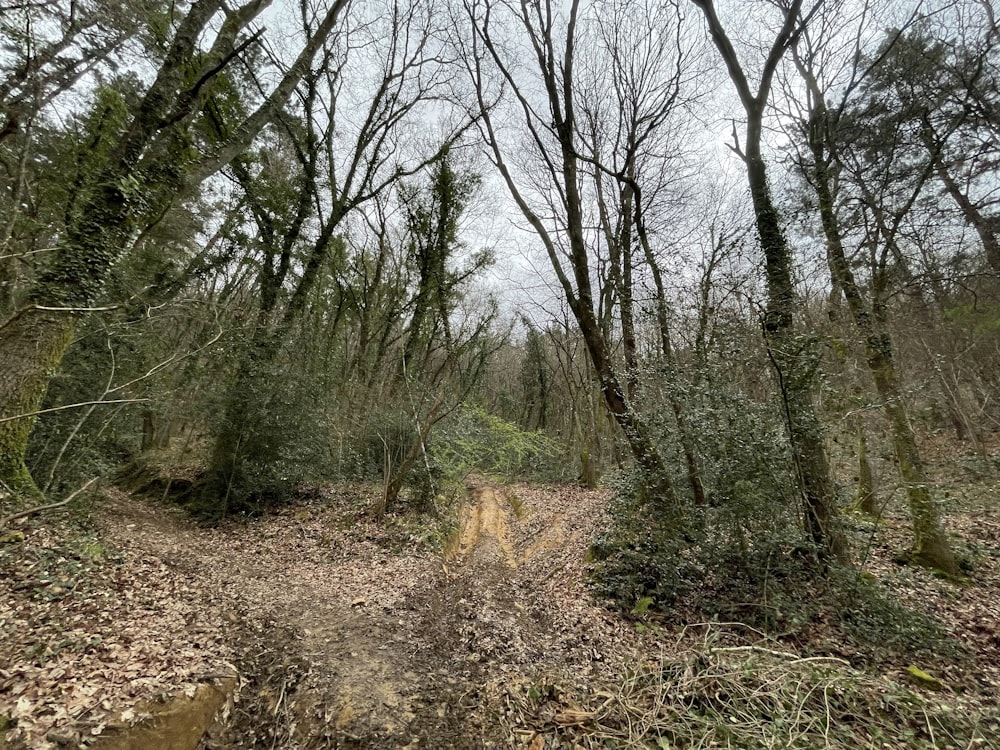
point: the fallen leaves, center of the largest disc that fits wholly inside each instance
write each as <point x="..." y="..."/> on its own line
<point x="85" y="638"/>
<point x="376" y="622"/>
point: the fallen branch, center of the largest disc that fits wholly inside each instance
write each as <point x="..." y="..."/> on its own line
<point x="795" y="658"/>
<point x="45" y="308"/>
<point x="757" y="649"/>
<point x="51" y="506"/>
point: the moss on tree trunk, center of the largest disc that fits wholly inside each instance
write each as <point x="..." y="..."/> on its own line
<point x="33" y="343"/>
<point x="930" y="544"/>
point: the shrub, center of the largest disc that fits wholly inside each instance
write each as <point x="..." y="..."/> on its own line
<point x="747" y="533"/>
<point x="475" y="440"/>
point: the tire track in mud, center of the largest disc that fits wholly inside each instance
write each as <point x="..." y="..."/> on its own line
<point x="484" y="529"/>
<point x="477" y="619"/>
<point x="483" y="526"/>
<point x="416" y="678"/>
<point x="325" y="668"/>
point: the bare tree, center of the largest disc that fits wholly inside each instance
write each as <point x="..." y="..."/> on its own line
<point x="793" y="359"/>
<point x="630" y="137"/>
<point x="551" y="197"/>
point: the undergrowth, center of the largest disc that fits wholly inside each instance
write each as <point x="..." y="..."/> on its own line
<point x="476" y="440"/>
<point x="749" y="697"/>
<point x="722" y="565"/>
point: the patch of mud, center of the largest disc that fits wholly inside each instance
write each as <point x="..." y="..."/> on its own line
<point x="342" y="644"/>
<point x="483" y="529"/>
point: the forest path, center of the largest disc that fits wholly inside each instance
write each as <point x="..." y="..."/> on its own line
<point x="346" y="632"/>
<point x="348" y="637"/>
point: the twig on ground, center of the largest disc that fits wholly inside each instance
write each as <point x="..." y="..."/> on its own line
<point x="51" y="506"/>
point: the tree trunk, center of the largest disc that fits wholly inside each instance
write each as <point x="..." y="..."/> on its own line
<point x="930" y="544"/>
<point x="667" y="352"/>
<point x="156" y="432"/>
<point x="641" y="445"/>
<point x="237" y="427"/>
<point x="629" y="347"/>
<point x="985" y="227"/>
<point x="33" y="343"/>
<point x="644" y="450"/>
<point x="793" y="368"/>
<point x="864" y="497"/>
<point x="394" y="483"/>
<point x="588" y="471"/>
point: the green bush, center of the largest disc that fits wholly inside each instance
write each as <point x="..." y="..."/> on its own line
<point x="270" y="439"/>
<point x="746" y="536"/>
<point x="475" y="440"/>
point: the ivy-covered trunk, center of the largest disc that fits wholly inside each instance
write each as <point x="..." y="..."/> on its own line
<point x="794" y="364"/>
<point x="930" y="544"/>
<point x="32" y="345"/>
<point x="240" y="427"/>
<point x="794" y="361"/>
<point x="33" y="341"/>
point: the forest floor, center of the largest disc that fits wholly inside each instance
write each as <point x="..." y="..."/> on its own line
<point x="344" y="632"/>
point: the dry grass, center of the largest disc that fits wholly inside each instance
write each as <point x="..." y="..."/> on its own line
<point x="704" y="695"/>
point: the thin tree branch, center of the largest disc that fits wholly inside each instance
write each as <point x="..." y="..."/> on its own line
<point x="74" y="406"/>
<point x="51" y="506"/>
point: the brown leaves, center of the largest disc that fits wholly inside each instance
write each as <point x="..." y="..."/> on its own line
<point x="91" y="625"/>
<point x="85" y="638"/>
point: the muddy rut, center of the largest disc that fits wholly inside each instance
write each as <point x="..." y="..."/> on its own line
<point x="342" y="646"/>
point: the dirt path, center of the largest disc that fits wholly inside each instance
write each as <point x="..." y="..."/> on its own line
<point x="342" y="643"/>
<point x="350" y="633"/>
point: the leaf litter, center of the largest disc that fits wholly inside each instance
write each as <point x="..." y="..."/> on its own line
<point x="353" y="632"/>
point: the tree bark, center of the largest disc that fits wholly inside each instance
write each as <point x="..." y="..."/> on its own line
<point x="793" y="366"/>
<point x="629" y="346"/>
<point x="985" y="227"/>
<point x="32" y="342"/>
<point x="864" y="497"/>
<point x="930" y="544"/>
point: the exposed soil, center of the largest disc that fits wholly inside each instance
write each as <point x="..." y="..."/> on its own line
<point x="350" y="633"/>
<point x="345" y="635"/>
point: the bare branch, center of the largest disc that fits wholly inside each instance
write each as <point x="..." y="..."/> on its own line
<point x="51" y="506"/>
<point x="74" y="406"/>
